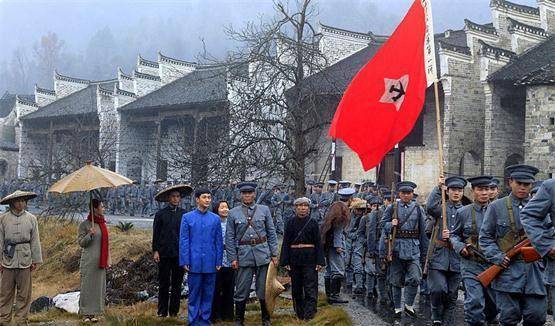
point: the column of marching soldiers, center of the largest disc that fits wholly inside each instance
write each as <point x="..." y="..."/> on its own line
<point x="499" y="249"/>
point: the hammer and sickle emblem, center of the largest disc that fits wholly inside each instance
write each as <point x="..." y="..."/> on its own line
<point x="395" y="91"/>
<point x="400" y="91"/>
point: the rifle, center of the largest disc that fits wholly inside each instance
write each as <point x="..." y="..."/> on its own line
<point x="430" y="251"/>
<point x="530" y="254"/>
<point x="431" y="245"/>
<point x="391" y="240"/>
<point x="487" y="276"/>
<point x="476" y="252"/>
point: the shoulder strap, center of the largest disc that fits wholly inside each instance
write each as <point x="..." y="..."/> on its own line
<point x="408" y="216"/>
<point x="245" y="211"/>
<point x="474" y="236"/>
<point x="509" y="205"/>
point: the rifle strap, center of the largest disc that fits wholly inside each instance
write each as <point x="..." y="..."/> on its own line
<point x="518" y="234"/>
<point x="474" y="235"/>
<point x="509" y="205"/>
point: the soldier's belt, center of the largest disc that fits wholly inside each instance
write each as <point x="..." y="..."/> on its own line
<point x="253" y="242"/>
<point x="444" y="244"/>
<point x="302" y="245"/>
<point x="412" y="234"/>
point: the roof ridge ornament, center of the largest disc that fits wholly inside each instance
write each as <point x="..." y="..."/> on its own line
<point x="455" y="48"/>
<point x="515" y="6"/>
<point x="360" y="35"/>
<point x="103" y="91"/>
<point x="25" y="101"/>
<point x="143" y="75"/>
<point x="486" y="48"/>
<point x="520" y="26"/>
<point x="163" y="58"/>
<point x="144" y="62"/>
<point x="44" y="91"/>
<point x="58" y="76"/>
<point x="480" y="27"/>
<point x="119" y="91"/>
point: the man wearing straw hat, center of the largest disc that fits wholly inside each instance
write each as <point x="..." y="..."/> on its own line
<point x="21" y="252"/>
<point x="165" y="247"/>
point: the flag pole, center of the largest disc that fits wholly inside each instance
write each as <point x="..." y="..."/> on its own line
<point x="440" y="154"/>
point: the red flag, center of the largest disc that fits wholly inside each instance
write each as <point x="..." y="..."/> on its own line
<point x="385" y="98"/>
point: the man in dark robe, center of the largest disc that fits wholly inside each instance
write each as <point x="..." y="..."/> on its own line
<point x="303" y="256"/>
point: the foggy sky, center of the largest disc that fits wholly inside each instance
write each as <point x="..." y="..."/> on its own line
<point x="177" y="27"/>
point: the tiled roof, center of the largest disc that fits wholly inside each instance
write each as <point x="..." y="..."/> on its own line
<point x="7" y="102"/>
<point x="202" y="85"/>
<point x="78" y="103"/>
<point x="534" y="66"/>
<point x="336" y="78"/>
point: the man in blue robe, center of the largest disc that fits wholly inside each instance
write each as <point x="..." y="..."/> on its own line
<point x="200" y="254"/>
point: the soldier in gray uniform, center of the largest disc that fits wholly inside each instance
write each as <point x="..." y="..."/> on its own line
<point x="358" y="191"/>
<point x="444" y="274"/>
<point x="493" y="189"/>
<point x="520" y="292"/>
<point x="134" y="196"/>
<point x="277" y="204"/>
<point x="251" y="243"/>
<point x="368" y="232"/>
<point x="380" y="269"/>
<point x="409" y="247"/>
<point x="120" y="199"/>
<point x="344" y="184"/>
<point x="353" y="252"/>
<point x="315" y="201"/>
<point x="479" y="305"/>
<point x="328" y="198"/>
<point x="333" y="237"/>
<point x="537" y="219"/>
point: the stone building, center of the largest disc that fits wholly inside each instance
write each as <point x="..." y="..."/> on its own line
<point x="147" y="125"/>
<point x="10" y="104"/>
<point x="169" y="134"/>
<point x="496" y="97"/>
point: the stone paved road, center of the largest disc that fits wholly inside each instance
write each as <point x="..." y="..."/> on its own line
<point x="363" y="312"/>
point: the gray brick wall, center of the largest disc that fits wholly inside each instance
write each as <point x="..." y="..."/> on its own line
<point x="505" y="118"/>
<point x="32" y="151"/>
<point x="63" y="88"/>
<point x="539" y="141"/>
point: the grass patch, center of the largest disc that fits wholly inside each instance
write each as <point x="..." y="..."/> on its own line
<point x="60" y="271"/>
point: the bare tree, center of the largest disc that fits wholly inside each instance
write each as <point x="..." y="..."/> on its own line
<point x="275" y="119"/>
<point x="48" y="52"/>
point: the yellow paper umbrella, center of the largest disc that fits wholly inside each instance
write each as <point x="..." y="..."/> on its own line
<point x="88" y="178"/>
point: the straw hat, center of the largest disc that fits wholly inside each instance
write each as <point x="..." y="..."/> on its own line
<point x="358" y="203"/>
<point x="184" y="190"/>
<point x="273" y="288"/>
<point x="18" y="194"/>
